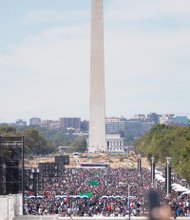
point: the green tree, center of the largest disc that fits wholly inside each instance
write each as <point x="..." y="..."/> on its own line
<point x="35" y="143"/>
<point x="163" y="141"/>
<point x="79" y="144"/>
<point x="8" y="131"/>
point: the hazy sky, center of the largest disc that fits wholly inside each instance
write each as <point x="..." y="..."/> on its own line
<point x="44" y="58"/>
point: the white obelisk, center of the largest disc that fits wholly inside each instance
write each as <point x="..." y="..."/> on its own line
<point x="97" y="142"/>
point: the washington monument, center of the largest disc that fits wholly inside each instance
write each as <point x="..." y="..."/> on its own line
<point x="97" y="140"/>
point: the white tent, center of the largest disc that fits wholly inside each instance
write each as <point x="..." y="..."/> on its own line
<point x="179" y="188"/>
<point x="160" y="178"/>
<point x="186" y="192"/>
<point x="174" y="185"/>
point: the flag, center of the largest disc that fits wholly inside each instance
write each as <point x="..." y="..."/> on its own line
<point x="89" y="194"/>
<point x="93" y="182"/>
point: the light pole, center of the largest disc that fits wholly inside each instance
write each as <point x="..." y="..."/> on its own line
<point x="152" y="170"/>
<point x="129" y="201"/>
<point x="167" y="175"/>
<point x="35" y="177"/>
<point x="139" y="165"/>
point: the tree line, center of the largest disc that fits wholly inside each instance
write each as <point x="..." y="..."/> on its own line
<point x="44" y="141"/>
<point x="168" y="141"/>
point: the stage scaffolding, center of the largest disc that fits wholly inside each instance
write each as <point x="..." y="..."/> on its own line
<point x="11" y="165"/>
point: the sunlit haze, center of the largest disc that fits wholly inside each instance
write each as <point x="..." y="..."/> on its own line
<point x="45" y="58"/>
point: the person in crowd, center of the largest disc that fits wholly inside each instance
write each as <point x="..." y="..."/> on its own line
<point x="100" y="192"/>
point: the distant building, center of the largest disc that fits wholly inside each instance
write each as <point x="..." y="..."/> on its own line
<point x="178" y="121"/>
<point x="35" y="121"/>
<point x="115" y="119"/>
<point x="137" y="128"/>
<point x="20" y="122"/>
<point x="67" y="123"/>
<point x="46" y="123"/>
<point x="129" y="129"/>
<point x="154" y="117"/>
<point x="114" y="143"/>
<point x="115" y="125"/>
<point x="54" y="125"/>
<point x="64" y="149"/>
<point x="141" y="117"/>
<point x="165" y="117"/>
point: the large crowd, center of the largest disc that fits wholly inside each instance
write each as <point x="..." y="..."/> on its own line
<point x="101" y="192"/>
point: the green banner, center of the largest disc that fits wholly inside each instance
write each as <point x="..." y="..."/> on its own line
<point x="93" y="182"/>
<point x="98" y="174"/>
<point x="89" y="194"/>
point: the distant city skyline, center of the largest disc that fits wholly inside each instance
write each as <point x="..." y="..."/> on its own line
<point x="45" y="53"/>
<point x="139" y="116"/>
